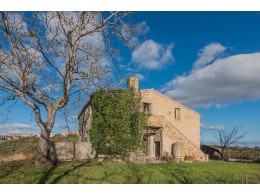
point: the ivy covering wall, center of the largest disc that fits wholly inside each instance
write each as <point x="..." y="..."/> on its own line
<point x="117" y="125"/>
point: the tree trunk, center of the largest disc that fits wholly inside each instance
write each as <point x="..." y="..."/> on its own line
<point x="43" y="146"/>
<point x="44" y="141"/>
<point x="222" y="154"/>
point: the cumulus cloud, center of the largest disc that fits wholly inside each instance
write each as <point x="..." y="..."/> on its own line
<point x="152" y="55"/>
<point x="207" y="54"/>
<point x="17" y="128"/>
<point x="225" y="81"/>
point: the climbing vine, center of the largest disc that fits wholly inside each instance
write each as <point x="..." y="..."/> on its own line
<point x="117" y="125"/>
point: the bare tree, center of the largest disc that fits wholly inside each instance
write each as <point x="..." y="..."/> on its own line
<point x="50" y="58"/>
<point x="227" y="137"/>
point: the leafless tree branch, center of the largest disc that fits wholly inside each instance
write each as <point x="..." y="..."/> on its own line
<point x="48" y="57"/>
<point x="228" y="137"/>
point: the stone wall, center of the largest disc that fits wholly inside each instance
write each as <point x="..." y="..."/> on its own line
<point x="83" y="151"/>
<point x="188" y="124"/>
<point x="171" y="135"/>
<point x="69" y="151"/>
<point x="85" y="123"/>
<point x="135" y="157"/>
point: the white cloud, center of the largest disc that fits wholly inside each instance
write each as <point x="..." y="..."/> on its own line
<point x="225" y="81"/>
<point x="17" y="128"/>
<point x="135" y="39"/>
<point x="73" y="117"/>
<point x="152" y="55"/>
<point x="61" y="125"/>
<point x="139" y="76"/>
<point x="208" y="53"/>
<point x="144" y="28"/>
<point x="212" y="127"/>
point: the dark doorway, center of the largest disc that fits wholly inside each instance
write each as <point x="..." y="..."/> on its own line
<point x="157" y="149"/>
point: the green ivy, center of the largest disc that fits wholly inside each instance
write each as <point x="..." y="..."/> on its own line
<point x="117" y="125"/>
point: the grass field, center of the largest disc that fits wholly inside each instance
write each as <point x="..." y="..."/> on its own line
<point x="13" y="169"/>
<point x="97" y="172"/>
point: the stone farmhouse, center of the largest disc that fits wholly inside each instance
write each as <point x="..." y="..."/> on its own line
<point x="173" y="129"/>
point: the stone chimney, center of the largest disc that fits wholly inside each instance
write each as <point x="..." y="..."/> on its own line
<point x="132" y="82"/>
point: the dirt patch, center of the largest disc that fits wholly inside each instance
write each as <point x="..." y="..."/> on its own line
<point x="15" y="157"/>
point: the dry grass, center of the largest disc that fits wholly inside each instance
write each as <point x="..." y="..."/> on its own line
<point x="15" y="157"/>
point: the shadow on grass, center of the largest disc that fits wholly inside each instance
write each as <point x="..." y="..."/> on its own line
<point x="57" y="179"/>
<point x="136" y="172"/>
<point x="152" y="173"/>
<point x="8" y="168"/>
<point x="140" y="174"/>
<point x="106" y="178"/>
<point x="46" y="176"/>
<point x="177" y="175"/>
<point x="50" y="171"/>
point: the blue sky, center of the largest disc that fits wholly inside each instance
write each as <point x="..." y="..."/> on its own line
<point x="207" y="60"/>
<point x="220" y="35"/>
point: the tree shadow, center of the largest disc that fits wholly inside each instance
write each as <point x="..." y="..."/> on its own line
<point x="46" y="176"/>
<point x="8" y="168"/>
<point x="105" y="179"/>
<point x="50" y="171"/>
<point x="136" y="172"/>
<point x="57" y="179"/>
<point x="177" y="174"/>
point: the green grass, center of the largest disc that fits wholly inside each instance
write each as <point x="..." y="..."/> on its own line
<point x="22" y="145"/>
<point x="28" y="145"/>
<point x="97" y="172"/>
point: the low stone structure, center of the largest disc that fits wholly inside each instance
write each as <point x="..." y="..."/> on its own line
<point x="135" y="157"/>
<point x="62" y="151"/>
<point x="69" y="151"/>
<point x="83" y="151"/>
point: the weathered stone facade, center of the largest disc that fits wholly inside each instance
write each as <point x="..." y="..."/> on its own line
<point x="68" y="151"/>
<point x="171" y="135"/>
<point x="85" y="123"/>
<point x="169" y="123"/>
<point x="189" y="121"/>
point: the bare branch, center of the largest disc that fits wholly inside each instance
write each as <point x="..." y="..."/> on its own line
<point x="228" y="137"/>
<point x="48" y="57"/>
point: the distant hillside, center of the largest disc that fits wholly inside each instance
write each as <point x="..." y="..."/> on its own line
<point x="234" y="152"/>
<point x="21" y="145"/>
<point x="26" y="147"/>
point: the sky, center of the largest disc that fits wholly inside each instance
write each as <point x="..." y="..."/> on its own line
<point x="209" y="61"/>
